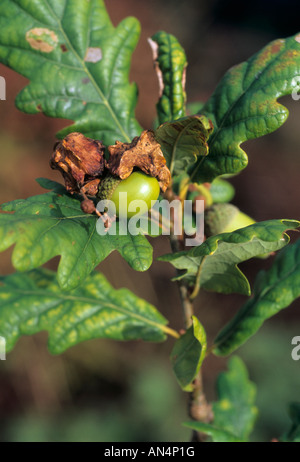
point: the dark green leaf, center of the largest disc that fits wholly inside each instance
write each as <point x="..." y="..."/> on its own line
<point x="77" y="63"/>
<point x="274" y="290"/>
<point x="51" y="185"/>
<point x="170" y="65"/>
<point x="244" y="106"/>
<point x="235" y="411"/>
<point x="188" y="354"/>
<point x="293" y="434"/>
<point x="183" y="141"/>
<point x="32" y="302"/>
<point x="53" y="224"/>
<point x="213" y="264"/>
<point x="218" y="435"/>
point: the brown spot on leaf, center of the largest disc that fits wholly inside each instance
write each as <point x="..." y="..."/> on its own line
<point x="155" y="51"/>
<point x="85" y="80"/>
<point x="93" y="55"/>
<point x="267" y="53"/>
<point x="80" y="160"/>
<point x="39" y="108"/>
<point x="42" y="39"/>
<point x="276" y="46"/>
<point x="63" y="48"/>
<point x="144" y="153"/>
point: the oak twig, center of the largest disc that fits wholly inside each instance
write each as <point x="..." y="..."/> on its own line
<point x="198" y="408"/>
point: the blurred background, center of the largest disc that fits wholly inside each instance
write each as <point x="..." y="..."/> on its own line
<point x="112" y="391"/>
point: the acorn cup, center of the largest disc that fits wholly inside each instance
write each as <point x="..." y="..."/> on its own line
<point x="107" y="186"/>
<point x="224" y="218"/>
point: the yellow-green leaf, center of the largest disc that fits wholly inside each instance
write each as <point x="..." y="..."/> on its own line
<point x="32" y="302"/>
<point x="213" y="264"/>
<point x="188" y="354"/>
<point x="51" y="224"/>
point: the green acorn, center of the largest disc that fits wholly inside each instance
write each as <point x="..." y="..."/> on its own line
<point x="138" y="186"/>
<point x="224" y="218"/>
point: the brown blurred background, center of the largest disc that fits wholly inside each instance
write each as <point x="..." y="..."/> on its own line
<point x="111" y="391"/>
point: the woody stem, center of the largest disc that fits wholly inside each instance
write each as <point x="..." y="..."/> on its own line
<point x="198" y="408"/>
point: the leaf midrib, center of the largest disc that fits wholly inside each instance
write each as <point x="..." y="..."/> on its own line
<point x="202" y="264"/>
<point x="84" y="68"/>
<point x="172" y="163"/>
<point x="98" y="90"/>
<point x="76" y="298"/>
<point x="237" y="245"/>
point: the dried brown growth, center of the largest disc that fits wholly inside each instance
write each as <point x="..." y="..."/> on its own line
<point x="144" y="153"/>
<point x="91" y="188"/>
<point x="87" y="206"/>
<point x="81" y="162"/>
